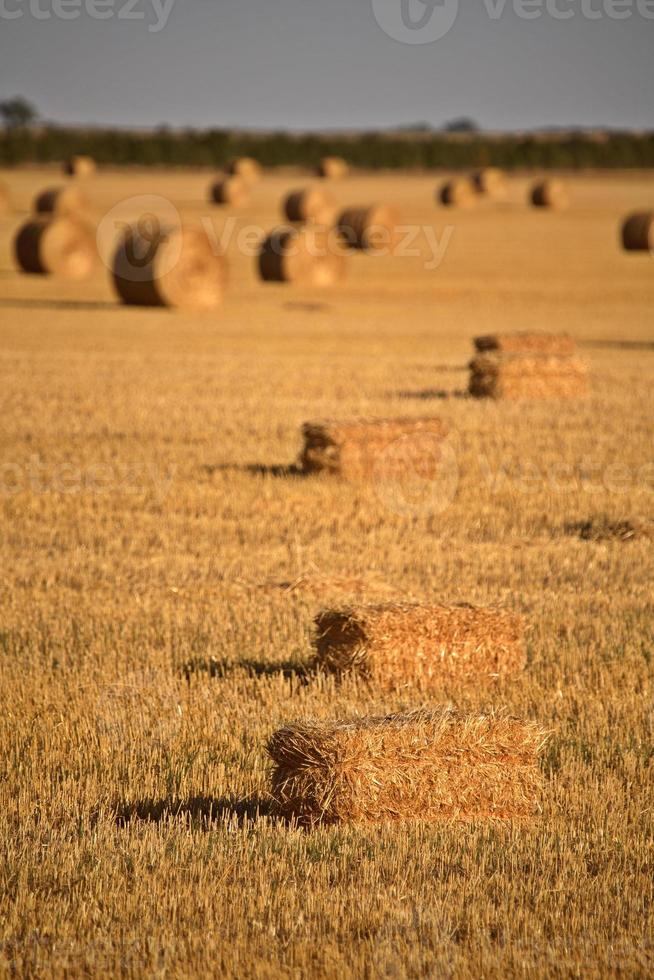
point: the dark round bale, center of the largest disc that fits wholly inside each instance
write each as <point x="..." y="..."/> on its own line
<point x="79" y="166"/>
<point x="230" y="190"/>
<point x="175" y="268"/>
<point x="305" y="256"/>
<point x="60" y="246"/>
<point x="372" y="228"/>
<point x="638" y="232"/>
<point x="61" y="200"/>
<point x="332" y="168"/>
<point x="549" y="194"/>
<point x="309" y="204"/>
<point x="457" y="193"/>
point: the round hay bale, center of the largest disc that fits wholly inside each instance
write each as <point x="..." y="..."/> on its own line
<point x="5" y="199"/>
<point x="246" y="167"/>
<point x="79" y="166"/>
<point x="457" y="193"/>
<point x="549" y="194"/>
<point x="332" y="168"/>
<point x="230" y="190"/>
<point x="638" y="232"/>
<point x="175" y="268"/>
<point x="490" y="181"/>
<point x="309" y="204"/>
<point x="61" y="200"/>
<point x="61" y="246"/>
<point x="305" y="256"/>
<point x="374" y="228"/>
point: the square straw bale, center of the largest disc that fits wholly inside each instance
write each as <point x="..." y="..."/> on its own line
<point x="357" y="449"/>
<point x="424" y="765"/>
<point x="410" y="644"/>
<point x="528" y="342"/>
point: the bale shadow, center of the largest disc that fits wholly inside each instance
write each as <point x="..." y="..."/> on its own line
<point x="205" y="810"/>
<point x="212" y="667"/>
<point x="57" y="304"/>
<point x="431" y="394"/>
<point x="604" y="529"/>
<point x="619" y="344"/>
<point x="277" y="470"/>
<point x="307" y="307"/>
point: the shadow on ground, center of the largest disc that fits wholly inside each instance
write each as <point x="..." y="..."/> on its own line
<point x="57" y="304"/>
<point x="213" y="667"/>
<point x="619" y="344"/>
<point x="429" y="394"/>
<point x="199" y="809"/>
<point x="257" y="469"/>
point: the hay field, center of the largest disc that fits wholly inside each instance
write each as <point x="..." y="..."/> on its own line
<point x="160" y="575"/>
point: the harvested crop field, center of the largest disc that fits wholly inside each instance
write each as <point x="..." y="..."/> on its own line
<point x="163" y="561"/>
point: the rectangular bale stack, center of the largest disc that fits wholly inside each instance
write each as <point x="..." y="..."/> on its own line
<point x="410" y="644"/>
<point x="524" y="342"/>
<point x="356" y="449"/>
<point x="527" y="376"/>
<point x="423" y="765"/>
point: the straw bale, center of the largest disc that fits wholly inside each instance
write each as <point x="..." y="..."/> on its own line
<point x="61" y="200"/>
<point x="305" y="256"/>
<point x="175" y="268"/>
<point x="527" y="376"/>
<point x="332" y="167"/>
<point x="459" y="193"/>
<point x="353" y="449"/>
<point x="490" y="181"/>
<point x="309" y="204"/>
<point x="79" y="166"/>
<point x="246" y="167"/>
<point x="60" y="246"/>
<point x="371" y="228"/>
<point x="424" y="765"/>
<point x="549" y="194"/>
<point x="638" y="232"/>
<point x="232" y="190"/>
<point x="412" y="644"/>
<point x="527" y="342"/>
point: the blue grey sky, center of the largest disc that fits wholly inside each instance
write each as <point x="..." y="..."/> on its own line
<point x="306" y="64"/>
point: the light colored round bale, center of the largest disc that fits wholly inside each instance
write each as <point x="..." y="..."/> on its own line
<point x="60" y="246"/>
<point x="332" y="168"/>
<point x="638" y="232"/>
<point x="373" y="228"/>
<point x="61" y="200"/>
<point x="309" y="204"/>
<point x="489" y="181"/>
<point x="246" y="167"/>
<point x="230" y="190"/>
<point x="457" y="193"/>
<point x="305" y="256"/>
<point x="169" y="267"/>
<point x="549" y="194"/>
<point x="79" y="166"/>
<point x="5" y="199"/>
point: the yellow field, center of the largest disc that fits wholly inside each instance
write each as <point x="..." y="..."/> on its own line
<point x="147" y="649"/>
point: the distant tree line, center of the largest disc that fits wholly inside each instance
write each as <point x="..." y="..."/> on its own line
<point x="421" y="150"/>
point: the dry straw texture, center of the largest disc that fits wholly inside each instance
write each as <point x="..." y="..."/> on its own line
<point x="309" y="204"/>
<point x="550" y="194"/>
<point x="490" y="181"/>
<point x="245" y="167"/>
<point x="304" y="256"/>
<point x="638" y="232"/>
<point x="527" y="376"/>
<point x="61" y="200"/>
<point x="175" y="268"/>
<point x="5" y="198"/>
<point x="332" y="167"/>
<point x="371" y="228"/>
<point x="607" y="529"/>
<point x="61" y="246"/>
<point x="356" y="450"/>
<point x="423" y="765"/>
<point x="524" y="343"/>
<point x="407" y="644"/>
<point x="232" y="190"/>
<point x="457" y="193"/>
<point x="79" y="166"/>
<point x="318" y="585"/>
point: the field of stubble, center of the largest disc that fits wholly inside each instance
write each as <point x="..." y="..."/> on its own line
<point x="147" y="648"/>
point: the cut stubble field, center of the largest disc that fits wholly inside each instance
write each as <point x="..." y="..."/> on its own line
<point x="161" y="571"/>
